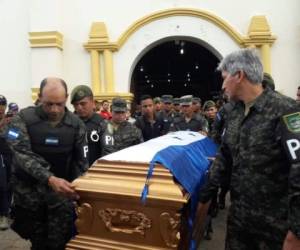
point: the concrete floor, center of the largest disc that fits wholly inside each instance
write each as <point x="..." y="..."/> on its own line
<point x="11" y="241"/>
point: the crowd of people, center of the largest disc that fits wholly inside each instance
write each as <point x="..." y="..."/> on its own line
<point x="46" y="146"/>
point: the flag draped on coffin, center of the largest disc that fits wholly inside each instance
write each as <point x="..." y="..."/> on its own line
<point x="188" y="163"/>
<point x="186" y="158"/>
<point x="184" y="153"/>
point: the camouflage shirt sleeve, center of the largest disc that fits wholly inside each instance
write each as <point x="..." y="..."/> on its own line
<point x="218" y="171"/>
<point x="24" y="157"/>
<point x="81" y="151"/>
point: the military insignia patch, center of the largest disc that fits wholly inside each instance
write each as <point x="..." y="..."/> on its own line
<point x="292" y="122"/>
<point x="80" y="93"/>
<point x="13" y="134"/>
<point x="51" y="141"/>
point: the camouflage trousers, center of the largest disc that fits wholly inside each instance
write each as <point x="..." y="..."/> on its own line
<point x="242" y="238"/>
<point x="46" y="228"/>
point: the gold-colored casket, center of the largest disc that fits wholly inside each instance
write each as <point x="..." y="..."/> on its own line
<point x="111" y="214"/>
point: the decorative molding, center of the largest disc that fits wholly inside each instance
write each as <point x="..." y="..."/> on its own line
<point x="98" y="38"/>
<point x="109" y="96"/>
<point x="84" y="217"/>
<point x="169" y="229"/>
<point x="35" y="94"/>
<point x="125" y="221"/>
<point x="259" y="35"/>
<point x="259" y="32"/>
<point x="46" y="39"/>
<point x="181" y="12"/>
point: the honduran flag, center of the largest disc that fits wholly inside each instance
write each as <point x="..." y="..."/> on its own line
<point x="185" y="153"/>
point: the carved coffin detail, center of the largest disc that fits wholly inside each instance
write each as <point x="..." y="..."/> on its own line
<point x="169" y="229"/>
<point x="125" y="221"/>
<point x="84" y="217"/>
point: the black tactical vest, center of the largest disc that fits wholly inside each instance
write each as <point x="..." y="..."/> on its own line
<point x="54" y="144"/>
<point x="95" y="127"/>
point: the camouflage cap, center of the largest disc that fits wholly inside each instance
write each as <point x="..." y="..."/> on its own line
<point x="167" y="99"/>
<point x="186" y="100"/>
<point x="208" y="104"/>
<point x="268" y="82"/>
<point x="196" y="100"/>
<point x="79" y="92"/>
<point x="13" y="107"/>
<point x="3" y="100"/>
<point x="176" y="101"/>
<point x="156" y="100"/>
<point x="118" y="105"/>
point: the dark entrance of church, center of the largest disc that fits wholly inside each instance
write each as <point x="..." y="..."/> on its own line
<point x="177" y="67"/>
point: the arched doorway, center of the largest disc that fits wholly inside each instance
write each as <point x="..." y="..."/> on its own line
<point x="177" y="66"/>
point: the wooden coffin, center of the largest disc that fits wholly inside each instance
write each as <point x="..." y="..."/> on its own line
<point x="112" y="216"/>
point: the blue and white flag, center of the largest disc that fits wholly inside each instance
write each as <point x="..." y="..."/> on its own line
<point x="186" y="154"/>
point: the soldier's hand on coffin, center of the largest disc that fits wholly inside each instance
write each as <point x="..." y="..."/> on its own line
<point x="63" y="187"/>
<point x="291" y="242"/>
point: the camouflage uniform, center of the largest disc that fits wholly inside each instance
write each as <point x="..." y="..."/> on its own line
<point x="193" y="125"/>
<point x="219" y="123"/>
<point x="41" y="215"/>
<point x="265" y="187"/>
<point x="124" y="136"/>
<point x="168" y="119"/>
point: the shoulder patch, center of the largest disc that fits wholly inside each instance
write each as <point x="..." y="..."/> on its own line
<point x="292" y="122"/>
<point x="13" y="133"/>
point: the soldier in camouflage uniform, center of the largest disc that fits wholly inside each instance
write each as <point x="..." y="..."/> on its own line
<point x="177" y="108"/>
<point x="261" y="149"/>
<point x="167" y="113"/>
<point x="83" y="102"/>
<point x="157" y="104"/>
<point x="197" y="105"/>
<point x="216" y="133"/>
<point x="188" y="121"/>
<point x="49" y="151"/>
<point x="119" y="133"/>
<point x="210" y="111"/>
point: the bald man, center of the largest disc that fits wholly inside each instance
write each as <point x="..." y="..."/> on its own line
<point x="50" y="150"/>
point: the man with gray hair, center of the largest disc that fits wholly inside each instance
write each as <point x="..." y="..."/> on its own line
<point x="260" y="148"/>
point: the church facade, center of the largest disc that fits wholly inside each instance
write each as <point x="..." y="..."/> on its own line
<point x="100" y="43"/>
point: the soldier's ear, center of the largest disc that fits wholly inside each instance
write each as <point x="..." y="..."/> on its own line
<point x="239" y="75"/>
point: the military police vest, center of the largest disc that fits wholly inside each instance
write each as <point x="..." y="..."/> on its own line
<point x="95" y="128"/>
<point x="290" y="123"/>
<point x="54" y="144"/>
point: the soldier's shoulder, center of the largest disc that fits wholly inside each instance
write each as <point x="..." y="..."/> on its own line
<point x="29" y="115"/>
<point x="178" y="119"/>
<point x="73" y="120"/>
<point x="133" y="128"/>
<point x="282" y="102"/>
<point x="28" y="111"/>
<point x="97" y="119"/>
